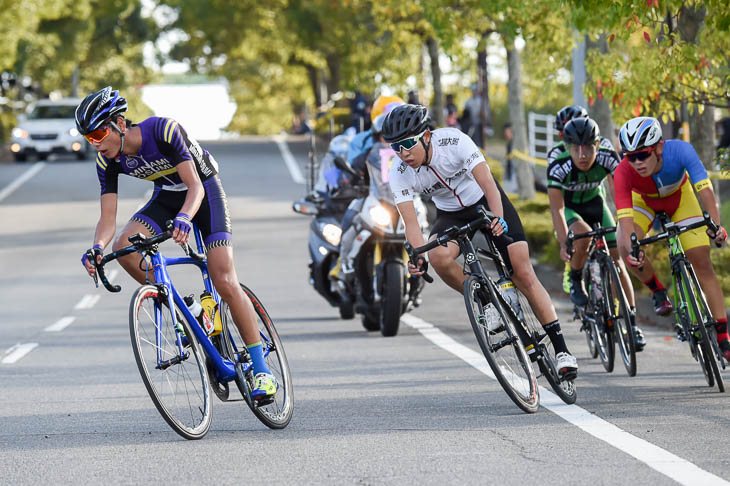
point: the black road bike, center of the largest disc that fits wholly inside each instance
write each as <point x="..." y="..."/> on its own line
<point x="508" y="333"/>
<point x="606" y="318"/>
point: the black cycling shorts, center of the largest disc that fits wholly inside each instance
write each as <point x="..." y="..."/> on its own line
<point x="213" y="217"/>
<point x="447" y="219"/>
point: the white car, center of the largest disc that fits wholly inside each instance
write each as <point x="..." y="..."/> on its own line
<point x="49" y="127"/>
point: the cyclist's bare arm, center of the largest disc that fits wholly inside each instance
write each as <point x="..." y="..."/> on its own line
<point x="557" y="211"/>
<point x="709" y="203"/>
<point x="105" y="227"/>
<point x="484" y="178"/>
<point x="413" y="231"/>
<point x="196" y="191"/>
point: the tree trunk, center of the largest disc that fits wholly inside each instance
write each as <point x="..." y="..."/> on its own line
<point x="525" y="174"/>
<point x="485" y="112"/>
<point x="313" y="76"/>
<point x="334" y="66"/>
<point x="438" y="95"/>
<point x="600" y="110"/>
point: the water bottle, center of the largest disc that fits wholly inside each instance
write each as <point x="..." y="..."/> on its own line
<point x="508" y="289"/>
<point x="210" y="308"/>
<point x="595" y="271"/>
<point x="199" y="313"/>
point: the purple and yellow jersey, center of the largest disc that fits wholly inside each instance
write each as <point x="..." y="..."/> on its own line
<point x="165" y="144"/>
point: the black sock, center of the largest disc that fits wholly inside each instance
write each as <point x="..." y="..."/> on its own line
<point x="632" y="312"/>
<point x="576" y="274"/>
<point x="556" y="337"/>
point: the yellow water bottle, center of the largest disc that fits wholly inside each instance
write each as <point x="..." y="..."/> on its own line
<point x="211" y="308"/>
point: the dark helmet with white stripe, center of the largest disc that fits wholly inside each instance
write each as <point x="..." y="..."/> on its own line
<point x="405" y="121"/>
<point x="97" y="108"/>
<point x="568" y="113"/>
<point x="581" y="131"/>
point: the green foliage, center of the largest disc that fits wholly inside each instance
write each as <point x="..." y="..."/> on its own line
<point x="538" y="226"/>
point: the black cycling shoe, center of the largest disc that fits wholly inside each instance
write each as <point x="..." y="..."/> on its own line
<point x="639" y="340"/>
<point x="680" y="333"/>
<point x="725" y="348"/>
<point x="577" y="294"/>
<point x="662" y="305"/>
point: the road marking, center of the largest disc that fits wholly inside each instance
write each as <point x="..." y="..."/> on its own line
<point x="60" y="324"/>
<point x="291" y="163"/>
<point x="87" y="301"/>
<point x="663" y="461"/>
<point x="21" y="179"/>
<point x="112" y="275"/>
<point x="17" y="352"/>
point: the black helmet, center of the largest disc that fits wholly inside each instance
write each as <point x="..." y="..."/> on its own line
<point x="97" y="108"/>
<point x="581" y="131"/>
<point x="567" y="113"/>
<point x="405" y="121"/>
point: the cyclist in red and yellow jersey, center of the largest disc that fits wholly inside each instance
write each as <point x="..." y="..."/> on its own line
<point x="653" y="176"/>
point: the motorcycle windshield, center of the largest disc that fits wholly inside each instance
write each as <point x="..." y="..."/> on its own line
<point x="328" y="174"/>
<point x="379" y="161"/>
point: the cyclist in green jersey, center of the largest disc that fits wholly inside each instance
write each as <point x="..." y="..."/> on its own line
<point x="577" y="202"/>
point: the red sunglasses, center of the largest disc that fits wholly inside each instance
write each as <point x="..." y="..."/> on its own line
<point x="98" y="135"/>
<point x="640" y="155"/>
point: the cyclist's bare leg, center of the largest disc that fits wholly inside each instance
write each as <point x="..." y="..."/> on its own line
<point x="525" y="279"/>
<point x="443" y="260"/>
<point x="624" y="276"/>
<point x="580" y="247"/>
<point x="131" y="262"/>
<point x="225" y="280"/>
<point x="699" y="257"/>
<point x="648" y="270"/>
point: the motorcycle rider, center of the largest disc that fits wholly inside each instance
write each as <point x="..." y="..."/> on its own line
<point x="447" y="164"/>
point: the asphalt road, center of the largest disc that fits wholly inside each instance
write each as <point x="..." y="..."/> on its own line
<point x="414" y="409"/>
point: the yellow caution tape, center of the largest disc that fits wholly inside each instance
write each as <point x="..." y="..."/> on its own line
<point x="719" y="174"/>
<point x="517" y="154"/>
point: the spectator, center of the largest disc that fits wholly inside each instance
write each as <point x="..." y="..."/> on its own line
<point x="451" y="112"/>
<point x="471" y="119"/>
<point x="413" y="98"/>
<point x="359" y="112"/>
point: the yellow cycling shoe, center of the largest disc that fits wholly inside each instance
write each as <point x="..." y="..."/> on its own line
<point x="265" y="386"/>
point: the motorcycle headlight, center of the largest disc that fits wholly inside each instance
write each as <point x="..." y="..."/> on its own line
<point x="19" y="133"/>
<point x="380" y="215"/>
<point x="332" y="233"/>
<point x="73" y="132"/>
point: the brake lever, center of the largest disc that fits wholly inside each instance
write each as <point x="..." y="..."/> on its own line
<point x="92" y="258"/>
<point x="635" y="248"/>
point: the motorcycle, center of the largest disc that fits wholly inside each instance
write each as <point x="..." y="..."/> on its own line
<point x="327" y="202"/>
<point x="384" y="288"/>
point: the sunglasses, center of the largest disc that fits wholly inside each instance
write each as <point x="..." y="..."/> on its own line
<point x="98" y="135"/>
<point x="642" y="155"/>
<point x="406" y="144"/>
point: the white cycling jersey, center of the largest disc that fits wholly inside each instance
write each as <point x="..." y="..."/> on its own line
<point x="448" y="178"/>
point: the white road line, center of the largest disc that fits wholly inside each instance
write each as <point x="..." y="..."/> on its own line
<point x="18" y="351"/>
<point x="60" y="324"/>
<point x="112" y="275"/>
<point x="663" y="461"/>
<point x="87" y="301"/>
<point x="21" y="179"/>
<point x="291" y="163"/>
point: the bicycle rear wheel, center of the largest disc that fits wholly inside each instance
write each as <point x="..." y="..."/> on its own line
<point x="277" y="413"/>
<point x="618" y="305"/>
<point x="502" y="347"/>
<point x="171" y="364"/>
<point x="546" y="359"/>
<point x="699" y="318"/>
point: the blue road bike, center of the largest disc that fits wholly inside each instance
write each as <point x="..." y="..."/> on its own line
<point x="178" y="361"/>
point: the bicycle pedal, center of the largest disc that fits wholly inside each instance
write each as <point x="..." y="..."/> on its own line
<point x="262" y="402"/>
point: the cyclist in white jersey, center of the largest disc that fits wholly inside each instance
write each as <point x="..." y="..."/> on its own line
<point x="447" y="165"/>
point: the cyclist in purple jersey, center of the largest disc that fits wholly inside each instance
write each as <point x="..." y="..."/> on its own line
<point x="187" y="190"/>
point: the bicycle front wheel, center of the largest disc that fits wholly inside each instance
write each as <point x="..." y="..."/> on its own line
<point x="501" y="345"/>
<point x="700" y="317"/>
<point x="276" y="413"/>
<point x="171" y="364"/>
<point x="546" y="359"/>
<point x="618" y="306"/>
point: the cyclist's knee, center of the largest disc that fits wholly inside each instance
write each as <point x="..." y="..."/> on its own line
<point x="523" y="275"/>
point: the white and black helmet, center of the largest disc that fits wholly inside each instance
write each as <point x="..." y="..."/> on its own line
<point x="405" y="121"/>
<point x="640" y="133"/>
